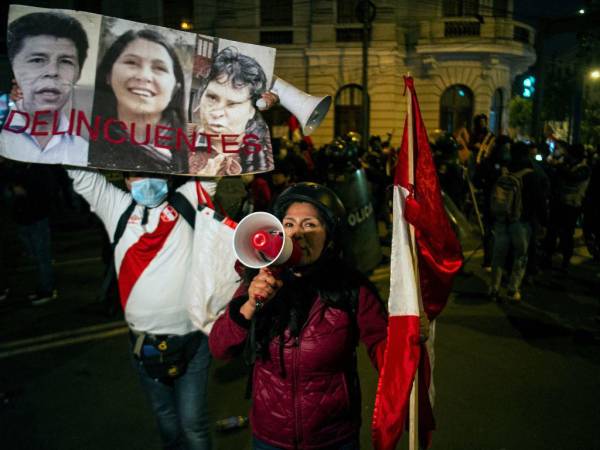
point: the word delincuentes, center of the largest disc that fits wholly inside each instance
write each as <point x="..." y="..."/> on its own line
<point x="44" y="123"/>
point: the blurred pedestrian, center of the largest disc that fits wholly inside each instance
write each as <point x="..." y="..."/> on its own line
<point x="572" y="178"/>
<point x="487" y="170"/>
<point x="32" y="188"/>
<point x="514" y="203"/>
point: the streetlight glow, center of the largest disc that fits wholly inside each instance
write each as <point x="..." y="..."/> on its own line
<point x="186" y="25"/>
<point x="582" y="11"/>
<point x="595" y="74"/>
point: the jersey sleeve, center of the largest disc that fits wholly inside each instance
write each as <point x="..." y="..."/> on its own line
<point x="107" y="201"/>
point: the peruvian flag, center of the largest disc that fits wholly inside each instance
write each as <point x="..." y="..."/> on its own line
<point x="425" y="256"/>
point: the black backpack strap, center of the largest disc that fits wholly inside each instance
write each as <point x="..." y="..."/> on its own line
<point x="122" y="223"/>
<point x="110" y="274"/>
<point x="181" y="204"/>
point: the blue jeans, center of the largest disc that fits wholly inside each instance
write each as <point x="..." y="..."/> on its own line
<point x="181" y="406"/>
<point x="514" y="237"/>
<point x="260" y="445"/>
<point x="36" y="239"/>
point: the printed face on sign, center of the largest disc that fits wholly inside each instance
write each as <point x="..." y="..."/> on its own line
<point x="225" y="109"/>
<point x="46" y="69"/>
<point x="143" y="80"/>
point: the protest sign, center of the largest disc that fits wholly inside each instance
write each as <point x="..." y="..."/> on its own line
<point x="114" y="94"/>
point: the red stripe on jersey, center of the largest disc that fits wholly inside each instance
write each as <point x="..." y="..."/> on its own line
<point x="140" y="254"/>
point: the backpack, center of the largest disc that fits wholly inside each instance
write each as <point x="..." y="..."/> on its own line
<point x="506" y="203"/>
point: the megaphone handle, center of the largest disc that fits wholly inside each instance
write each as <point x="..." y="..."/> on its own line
<point x="276" y="273"/>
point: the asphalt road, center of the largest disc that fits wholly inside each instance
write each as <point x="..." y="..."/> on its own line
<point x="507" y="376"/>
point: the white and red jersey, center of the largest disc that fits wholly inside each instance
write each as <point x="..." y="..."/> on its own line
<point x="152" y="271"/>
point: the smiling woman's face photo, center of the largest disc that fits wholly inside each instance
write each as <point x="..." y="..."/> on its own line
<point x="142" y="79"/>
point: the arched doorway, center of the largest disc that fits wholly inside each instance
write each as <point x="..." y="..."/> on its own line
<point x="496" y="112"/>
<point x="348" y="109"/>
<point x="456" y="108"/>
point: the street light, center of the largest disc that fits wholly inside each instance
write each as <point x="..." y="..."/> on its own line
<point x="595" y="74"/>
<point x="186" y="24"/>
<point x="582" y="11"/>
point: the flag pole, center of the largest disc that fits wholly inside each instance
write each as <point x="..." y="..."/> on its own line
<point x="413" y="412"/>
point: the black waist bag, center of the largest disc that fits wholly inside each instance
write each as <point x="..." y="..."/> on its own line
<point x="166" y="357"/>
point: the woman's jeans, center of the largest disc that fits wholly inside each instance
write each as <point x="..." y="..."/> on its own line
<point x="180" y="406"/>
<point x="510" y="237"/>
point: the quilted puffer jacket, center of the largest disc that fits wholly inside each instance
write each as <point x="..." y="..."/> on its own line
<point x="314" y="403"/>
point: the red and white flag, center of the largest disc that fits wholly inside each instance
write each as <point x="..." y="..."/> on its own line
<point x="425" y="256"/>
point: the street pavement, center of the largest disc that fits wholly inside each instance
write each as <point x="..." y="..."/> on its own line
<point x="507" y="376"/>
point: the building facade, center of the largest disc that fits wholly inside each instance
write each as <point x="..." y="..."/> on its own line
<point x="463" y="54"/>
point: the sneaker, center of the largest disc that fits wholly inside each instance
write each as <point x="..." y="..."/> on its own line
<point x="514" y="296"/>
<point x="41" y="298"/>
<point x="4" y="294"/>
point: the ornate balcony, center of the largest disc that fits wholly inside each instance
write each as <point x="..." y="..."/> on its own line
<point x="498" y="35"/>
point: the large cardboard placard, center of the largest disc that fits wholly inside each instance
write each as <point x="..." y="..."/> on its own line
<point x="114" y="94"/>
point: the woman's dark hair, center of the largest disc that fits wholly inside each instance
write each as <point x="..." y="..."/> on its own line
<point x="54" y="24"/>
<point x="174" y="113"/>
<point x="334" y="282"/>
<point x="254" y="160"/>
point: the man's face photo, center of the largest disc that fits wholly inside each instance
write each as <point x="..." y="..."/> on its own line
<point x="46" y="68"/>
<point x="225" y="109"/>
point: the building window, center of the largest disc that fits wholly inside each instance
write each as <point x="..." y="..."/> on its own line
<point x="346" y="11"/>
<point x="456" y="108"/>
<point x="348" y="109"/>
<point x="460" y="8"/>
<point x="496" y="112"/>
<point x="521" y="34"/>
<point x="276" y="37"/>
<point x="175" y="13"/>
<point x="349" y="35"/>
<point x="276" y="13"/>
<point x="501" y="8"/>
<point x="459" y="29"/>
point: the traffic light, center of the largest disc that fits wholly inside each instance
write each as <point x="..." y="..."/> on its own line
<point x="528" y="86"/>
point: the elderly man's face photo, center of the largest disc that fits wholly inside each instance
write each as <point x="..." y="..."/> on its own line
<point x="46" y="68"/>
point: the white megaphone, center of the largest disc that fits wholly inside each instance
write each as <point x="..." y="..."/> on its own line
<point x="309" y="110"/>
<point x="259" y="241"/>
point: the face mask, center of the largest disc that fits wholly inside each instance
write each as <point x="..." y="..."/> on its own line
<point x="149" y="192"/>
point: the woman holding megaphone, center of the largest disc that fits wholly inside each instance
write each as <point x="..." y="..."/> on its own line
<point x="300" y="329"/>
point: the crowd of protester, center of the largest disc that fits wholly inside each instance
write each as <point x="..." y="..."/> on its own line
<point x="557" y="186"/>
